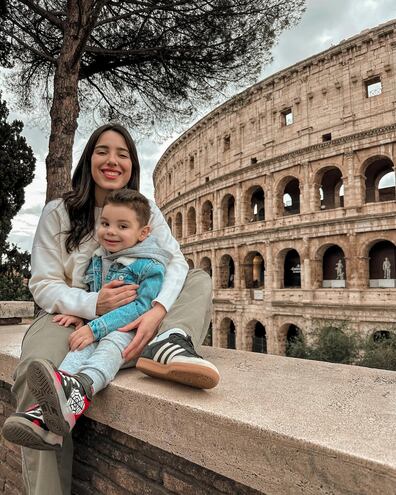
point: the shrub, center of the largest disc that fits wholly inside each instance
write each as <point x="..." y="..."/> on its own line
<point x="380" y="353"/>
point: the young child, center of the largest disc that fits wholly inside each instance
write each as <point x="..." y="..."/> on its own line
<point x="127" y="253"/>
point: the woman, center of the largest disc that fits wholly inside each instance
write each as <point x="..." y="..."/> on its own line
<point x="62" y="248"/>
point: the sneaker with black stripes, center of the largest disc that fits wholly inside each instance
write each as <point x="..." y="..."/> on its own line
<point x="174" y="358"/>
<point x="28" y="429"/>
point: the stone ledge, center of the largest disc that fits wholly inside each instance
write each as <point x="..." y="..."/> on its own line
<point x="279" y="425"/>
<point x="16" y="309"/>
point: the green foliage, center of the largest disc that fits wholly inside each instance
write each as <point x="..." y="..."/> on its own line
<point x="380" y="353"/>
<point x="14" y="273"/>
<point x="16" y="171"/>
<point x="331" y="342"/>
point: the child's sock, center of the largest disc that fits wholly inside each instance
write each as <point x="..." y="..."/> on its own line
<point x="166" y="334"/>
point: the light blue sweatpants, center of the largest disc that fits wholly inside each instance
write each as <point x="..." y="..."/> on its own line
<point x="101" y="360"/>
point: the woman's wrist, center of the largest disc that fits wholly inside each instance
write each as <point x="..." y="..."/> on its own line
<point x="159" y="310"/>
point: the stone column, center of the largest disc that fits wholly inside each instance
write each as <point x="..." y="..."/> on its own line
<point x="269" y="198"/>
<point x="305" y="206"/>
<point x="239" y="206"/>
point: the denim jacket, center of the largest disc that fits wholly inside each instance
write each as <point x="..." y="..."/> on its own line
<point x="143" y="264"/>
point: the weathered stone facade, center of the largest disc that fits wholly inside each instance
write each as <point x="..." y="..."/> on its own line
<point x="286" y="195"/>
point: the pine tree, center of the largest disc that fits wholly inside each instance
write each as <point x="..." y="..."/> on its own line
<point x="17" y="165"/>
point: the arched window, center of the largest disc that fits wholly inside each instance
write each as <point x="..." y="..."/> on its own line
<point x="380" y="181"/>
<point x="254" y="270"/>
<point x="227" y="334"/>
<point x="291" y="198"/>
<point x="206" y="265"/>
<point x="227" y="272"/>
<point x="228" y="210"/>
<point x="231" y="336"/>
<point x="190" y="263"/>
<point x="334" y="268"/>
<point x="259" y="338"/>
<point x="170" y="223"/>
<point x="293" y="334"/>
<point x="207" y="216"/>
<point x="292" y="270"/>
<point x="191" y="221"/>
<point x="179" y="225"/>
<point x="382" y="261"/>
<point x="255" y="204"/>
<point x="331" y="189"/>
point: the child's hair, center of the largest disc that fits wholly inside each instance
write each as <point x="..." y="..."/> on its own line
<point x="133" y="200"/>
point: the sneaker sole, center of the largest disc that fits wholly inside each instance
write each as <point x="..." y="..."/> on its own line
<point x="187" y="374"/>
<point x="44" y="386"/>
<point x="23" y="432"/>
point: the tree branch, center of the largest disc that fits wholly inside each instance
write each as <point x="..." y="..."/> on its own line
<point x="53" y="19"/>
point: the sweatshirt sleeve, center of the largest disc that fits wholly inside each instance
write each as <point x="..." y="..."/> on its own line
<point x="149" y="286"/>
<point x="177" y="269"/>
<point x="48" y="281"/>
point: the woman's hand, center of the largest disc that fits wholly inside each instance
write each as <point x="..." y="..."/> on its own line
<point x="147" y="327"/>
<point x="67" y="320"/>
<point x="115" y="294"/>
<point x="81" y="338"/>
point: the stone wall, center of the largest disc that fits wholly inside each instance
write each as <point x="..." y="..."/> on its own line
<point x="251" y="197"/>
<point x="109" y="462"/>
<point x="273" y="425"/>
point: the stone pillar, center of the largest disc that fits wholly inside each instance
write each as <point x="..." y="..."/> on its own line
<point x="239" y="206"/>
<point x="215" y="283"/>
<point x="304" y="189"/>
<point x="269" y="198"/>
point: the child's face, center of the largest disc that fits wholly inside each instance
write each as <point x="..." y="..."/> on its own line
<point x="119" y="228"/>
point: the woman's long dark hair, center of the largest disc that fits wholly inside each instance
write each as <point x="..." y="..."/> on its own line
<point x="80" y="201"/>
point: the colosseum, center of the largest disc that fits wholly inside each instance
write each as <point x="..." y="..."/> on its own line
<point x="285" y="195"/>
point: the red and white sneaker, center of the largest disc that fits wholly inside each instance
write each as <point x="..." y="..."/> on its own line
<point x="63" y="398"/>
<point x="28" y="429"/>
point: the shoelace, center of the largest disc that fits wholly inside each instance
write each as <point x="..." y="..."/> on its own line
<point x="180" y="339"/>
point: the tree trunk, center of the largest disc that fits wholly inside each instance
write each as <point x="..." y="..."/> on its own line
<point x="65" y="105"/>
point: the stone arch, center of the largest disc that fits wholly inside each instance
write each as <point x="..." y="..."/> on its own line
<point x="376" y="169"/>
<point x="206" y="265"/>
<point x="227" y="272"/>
<point x="290" y="196"/>
<point x="381" y="335"/>
<point x="257" y="336"/>
<point x="170" y="223"/>
<point x="207" y="216"/>
<point x="254" y="270"/>
<point x="333" y="267"/>
<point x="228" y="211"/>
<point x="291" y="269"/>
<point x="227" y="333"/>
<point x="382" y="264"/>
<point x="254" y="204"/>
<point x="191" y="221"/>
<point x="329" y="187"/>
<point x="287" y="333"/>
<point x="190" y="263"/>
<point x="179" y="225"/>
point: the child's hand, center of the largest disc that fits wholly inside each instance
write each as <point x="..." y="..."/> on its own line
<point x="67" y="320"/>
<point x="81" y="338"/>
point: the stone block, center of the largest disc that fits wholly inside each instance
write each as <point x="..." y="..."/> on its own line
<point x="16" y="309"/>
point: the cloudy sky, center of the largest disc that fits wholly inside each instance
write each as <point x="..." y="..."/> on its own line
<point x="325" y="23"/>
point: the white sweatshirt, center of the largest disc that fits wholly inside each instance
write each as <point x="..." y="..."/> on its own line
<point x="56" y="282"/>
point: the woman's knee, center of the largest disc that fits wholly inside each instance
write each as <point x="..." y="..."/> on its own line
<point x="200" y="277"/>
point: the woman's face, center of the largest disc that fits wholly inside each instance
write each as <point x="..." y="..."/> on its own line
<point x="111" y="164"/>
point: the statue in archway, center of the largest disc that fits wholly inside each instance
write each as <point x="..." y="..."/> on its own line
<point x="339" y="268"/>
<point x="386" y="266"/>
